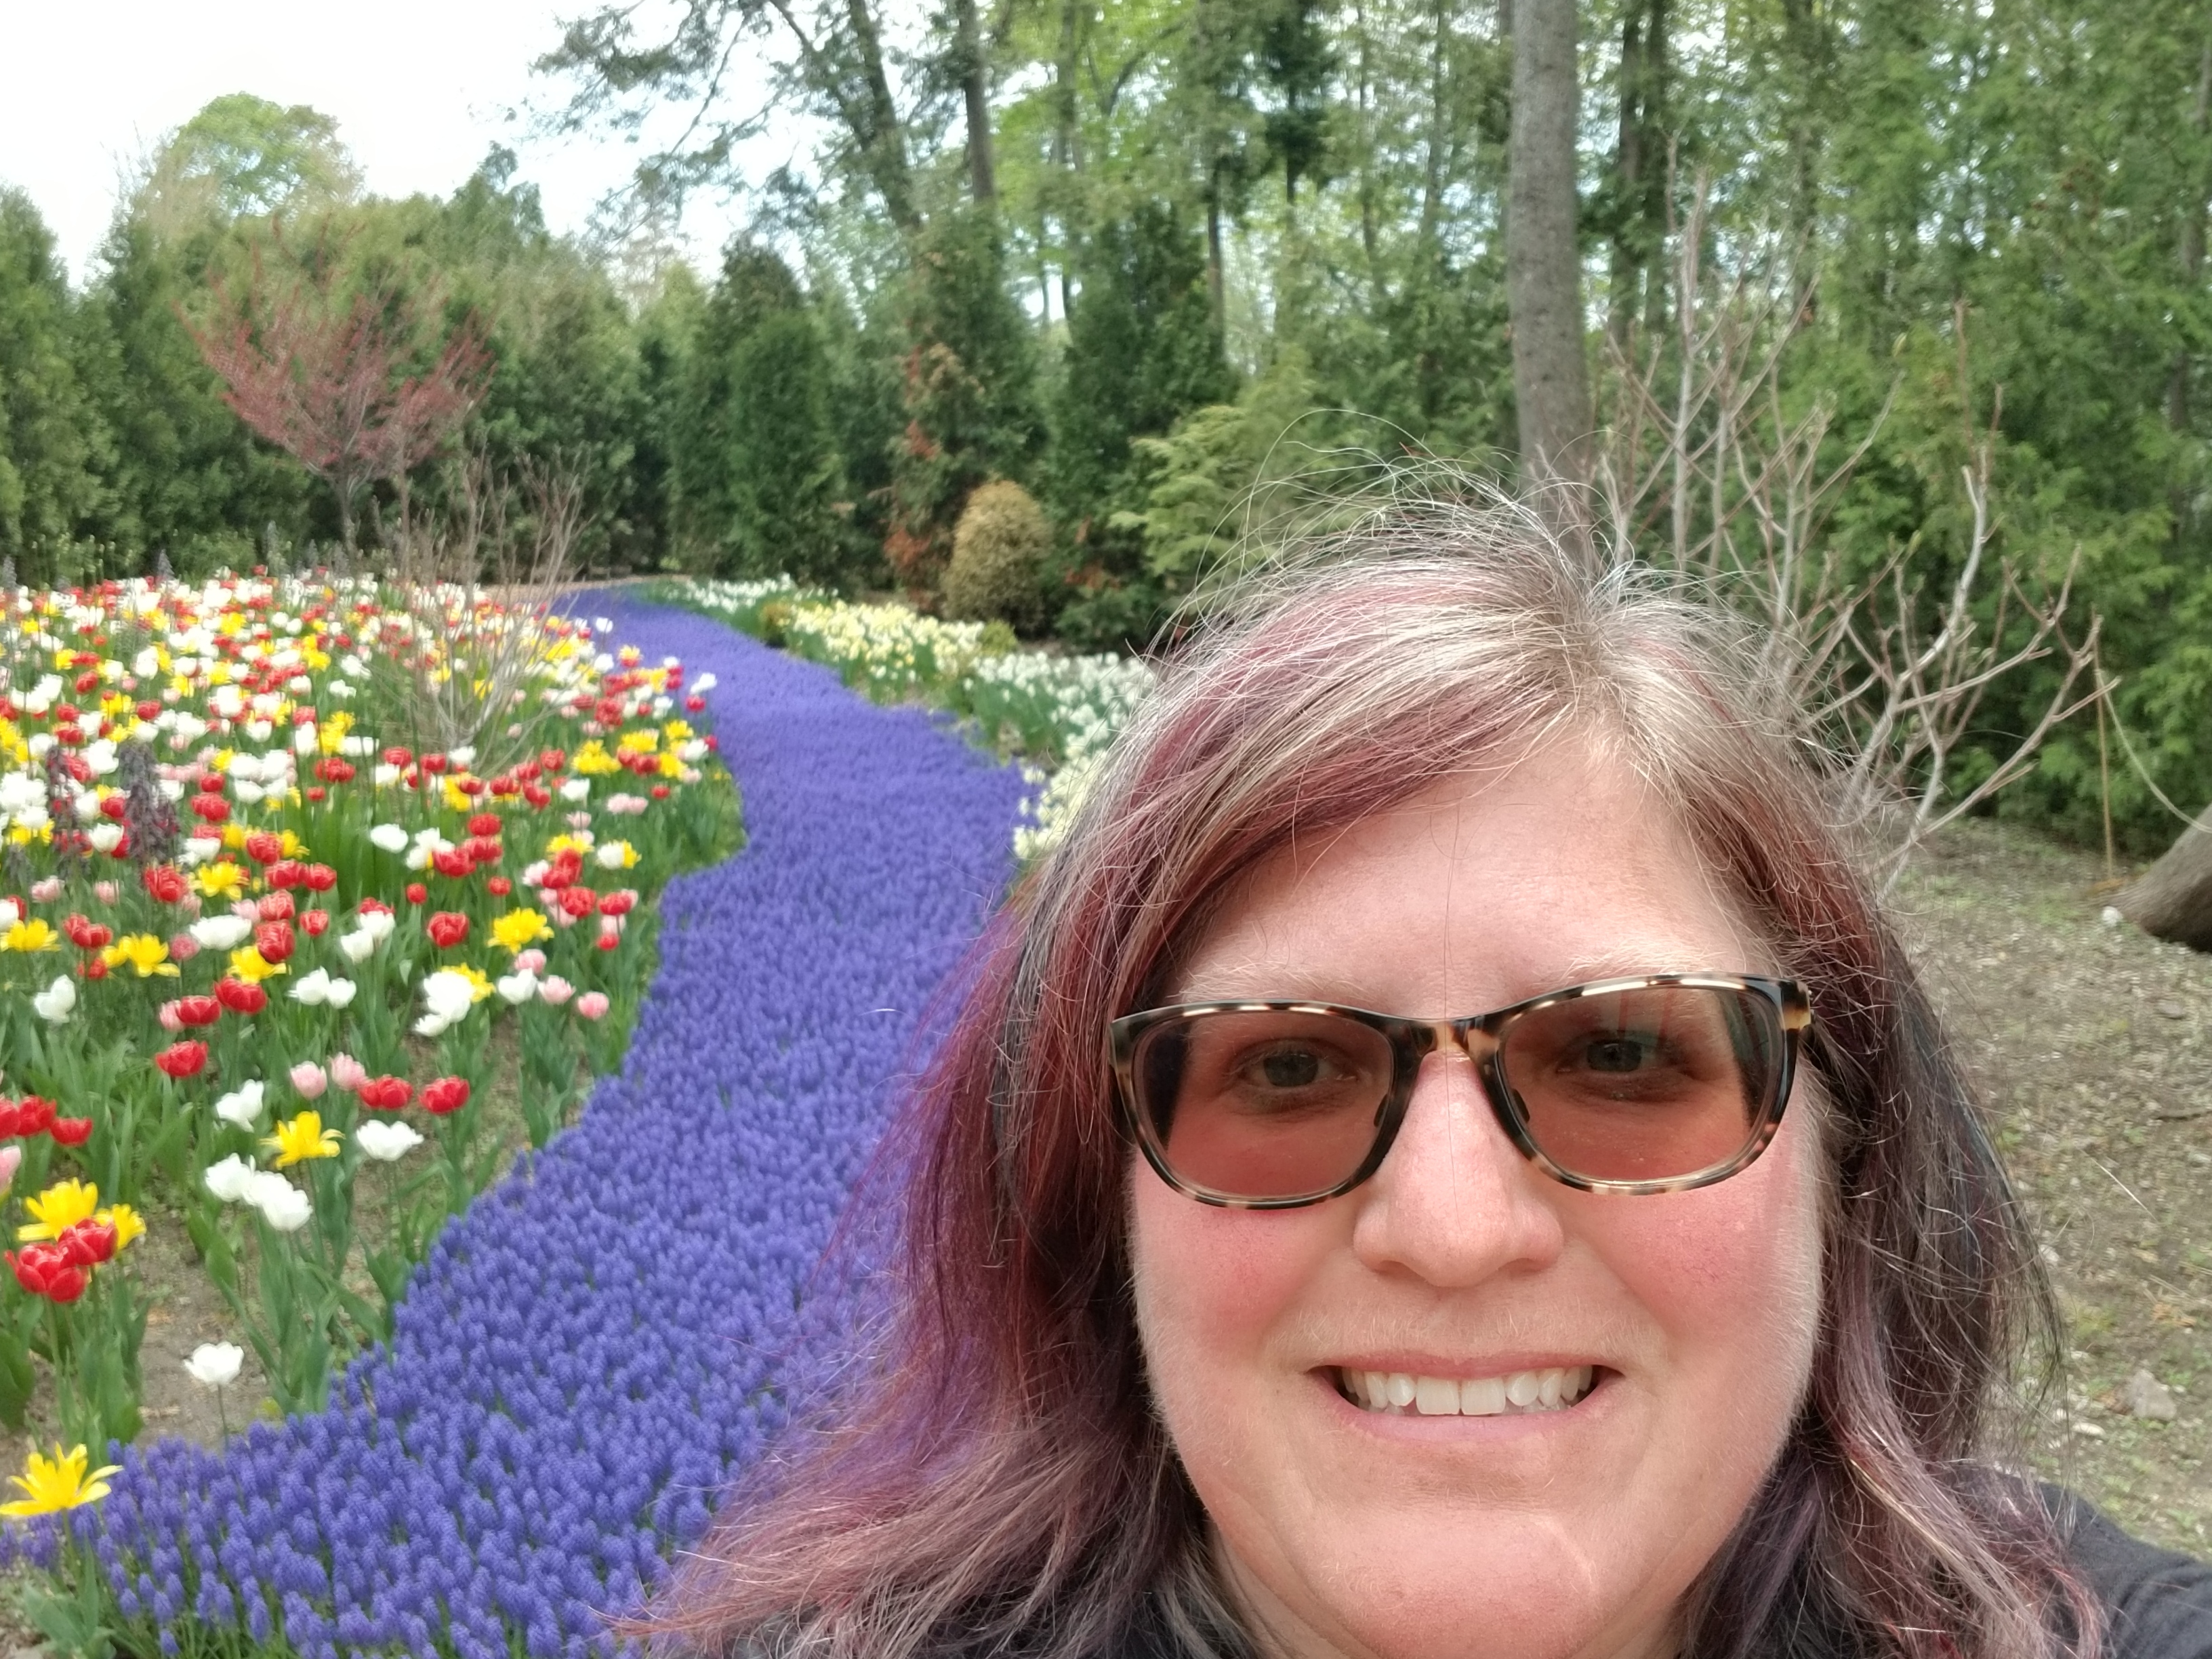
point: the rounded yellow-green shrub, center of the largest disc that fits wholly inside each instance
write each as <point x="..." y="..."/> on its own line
<point x="997" y="572"/>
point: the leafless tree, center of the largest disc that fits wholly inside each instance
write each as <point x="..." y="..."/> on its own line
<point x="1707" y="466"/>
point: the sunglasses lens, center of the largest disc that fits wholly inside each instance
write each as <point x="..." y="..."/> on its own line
<point x="1265" y="1104"/>
<point x="1654" y="1084"/>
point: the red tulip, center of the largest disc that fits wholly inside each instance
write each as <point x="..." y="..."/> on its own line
<point x="274" y="940"/>
<point x="211" y="784"/>
<point x="397" y="756"/>
<point x="287" y="873"/>
<point x="240" y="996"/>
<point x="86" y="933"/>
<point x="434" y="764"/>
<point x="263" y="848"/>
<point x="552" y="760"/>
<point x="198" y="1011"/>
<point x="452" y="863"/>
<point x="87" y="1243"/>
<point x="319" y="878"/>
<point x="95" y="968"/>
<point x="212" y="808"/>
<point x="619" y="903"/>
<point x="660" y="792"/>
<point x="165" y="883"/>
<point x="182" y="1060"/>
<point x="448" y="1094"/>
<point x="579" y="902"/>
<point x="385" y="1094"/>
<point x="447" y="928"/>
<point x="499" y="886"/>
<point x="417" y="893"/>
<point x="484" y="824"/>
<point x="316" y="923"/>
<point x="536" y="793"/>
<point x="72" y="1131"/>
<point x="45" y="1270"/>
<point x="274" y="907"/>
<point x="608" y="941"/>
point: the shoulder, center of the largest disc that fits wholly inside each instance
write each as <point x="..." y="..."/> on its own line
<point x="2159" y="1601"/>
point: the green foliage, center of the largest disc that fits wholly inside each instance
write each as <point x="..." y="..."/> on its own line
<point x="243" y="157"/>
<point x="1206" y="477"/>
<point x="969" y="385"/>
<point x="997" y="558"/>
<point x="758" y="478"/>
<point x="52" y="443"/>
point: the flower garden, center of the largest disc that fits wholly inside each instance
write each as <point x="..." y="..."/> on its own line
<point x="323" y="993"/>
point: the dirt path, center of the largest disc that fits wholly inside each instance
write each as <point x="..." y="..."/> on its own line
<point x="2093" y="1045"/>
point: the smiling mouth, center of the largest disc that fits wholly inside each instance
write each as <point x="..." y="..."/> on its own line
<point x="1400" y="1394"/>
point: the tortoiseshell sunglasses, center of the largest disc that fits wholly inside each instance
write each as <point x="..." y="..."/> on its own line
<point x="1655" y="1085"/>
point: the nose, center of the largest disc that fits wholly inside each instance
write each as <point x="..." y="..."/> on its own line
<point x="1455" y="1202"/>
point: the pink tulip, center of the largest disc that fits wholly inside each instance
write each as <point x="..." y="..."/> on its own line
<point x="310" y="1079"/>
<point x="10" y="1156"/>
<point x="555" y="990"/>
<point x="190" y="904"/>
<point x="530" y="961"/>
<point x="47" y="889"/>
<point x="104" y="892"/>
<point x="167" y="1013"/>
<point x="348" y="1073"/>
<point x="592" y="1004"/>
<point x="183" y="948"/>
<point x="249" y="909"/>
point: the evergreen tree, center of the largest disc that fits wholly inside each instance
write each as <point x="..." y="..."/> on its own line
<point x="971" y="389"/>
<point x="52" y="442"/>
<point x="759" y="482"/>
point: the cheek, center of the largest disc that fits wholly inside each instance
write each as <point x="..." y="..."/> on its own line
<point x="1211" y="1286"/>
<point x="1730" y="1273"/>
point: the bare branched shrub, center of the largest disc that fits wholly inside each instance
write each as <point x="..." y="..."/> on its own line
<point x="1708" y="465"/>
<point x="478" y="582"/>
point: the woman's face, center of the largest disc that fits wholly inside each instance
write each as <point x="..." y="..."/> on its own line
<point x="1538" y="1534"/>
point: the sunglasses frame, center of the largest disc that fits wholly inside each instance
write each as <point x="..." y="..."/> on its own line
<point x="1481" y="1038"/>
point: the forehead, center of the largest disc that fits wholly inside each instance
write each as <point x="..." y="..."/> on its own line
<point x="1563" y="867"/>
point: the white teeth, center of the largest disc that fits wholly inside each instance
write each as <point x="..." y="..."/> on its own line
<point x="1391" y="1392"/>
<point x="1436" y="1396"/>
<point x="1482" y="1396"/>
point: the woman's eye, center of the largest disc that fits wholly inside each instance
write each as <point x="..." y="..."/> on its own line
<point x="1289" y="1068"/>
<point x="1615" y="1053"/>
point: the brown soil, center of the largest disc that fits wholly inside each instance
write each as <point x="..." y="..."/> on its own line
<point x="2092" y="1044"/>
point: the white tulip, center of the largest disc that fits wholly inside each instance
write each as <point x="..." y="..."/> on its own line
<point x="230" y="1179"/>
<point x="389" y="836"/>
<point x="105" y="837"/>
<point x="517" y="989"/>
<point x="248" y="794"/>
<point x="221" y="932"/>
<point x="313" y="989"/>
<point x="384" y="1140"/>
<point x="377" y="924"/>
<point x="462" y="757"/>
<point x="341" y="994"/>
<point x="576" y="789"/>
<point x="215" y="1364"/>
<point x="356" y="945"/>
<point x="241" y="1107"/>
<point x="385" y="775"/>
<point x="282" y="1206"/>
<point x="57" y="1002"/>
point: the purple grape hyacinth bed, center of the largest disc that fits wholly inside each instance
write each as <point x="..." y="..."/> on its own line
<point x="588" y="1354"/>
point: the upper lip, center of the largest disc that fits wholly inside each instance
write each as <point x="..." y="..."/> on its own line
<point x="1431" y="1365"/>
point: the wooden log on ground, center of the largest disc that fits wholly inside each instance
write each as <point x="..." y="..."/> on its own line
<point x="2173" y="899"/>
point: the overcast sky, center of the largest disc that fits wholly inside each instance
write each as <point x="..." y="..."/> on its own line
<point x="420" y="89"/>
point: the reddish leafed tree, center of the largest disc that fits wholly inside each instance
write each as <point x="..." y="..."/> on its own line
<point x="316" y="364"/>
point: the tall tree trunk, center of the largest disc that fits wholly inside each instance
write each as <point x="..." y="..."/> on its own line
<point x="2192" y="239"/>
<point x="975" y="86"/>
<point x="1636" y="170"/>
<point x="1215" y="288"/>
<point x="1067" y="139"/>
<point x="880" y="132"/>
<point x="1543" y="268"/>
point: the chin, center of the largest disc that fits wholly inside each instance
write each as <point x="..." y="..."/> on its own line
<point x="1506" y="1586"/>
